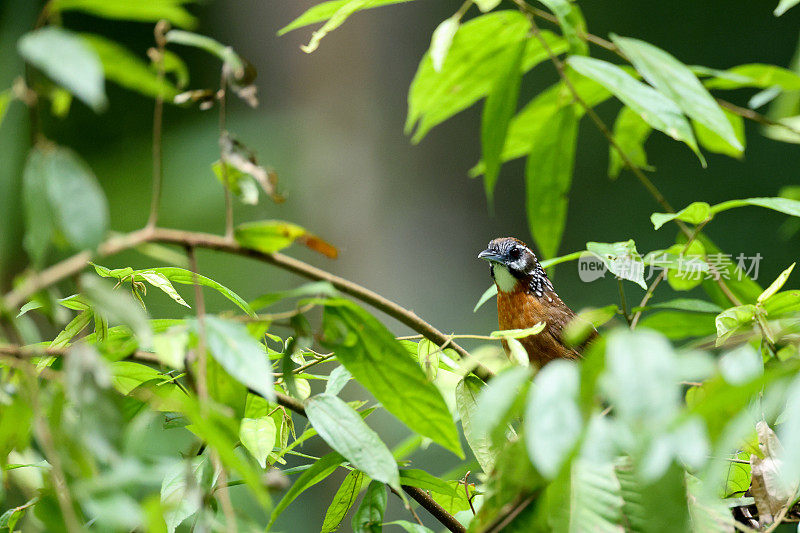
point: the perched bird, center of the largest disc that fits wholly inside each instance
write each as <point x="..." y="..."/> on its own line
<point x="525" y="297"/>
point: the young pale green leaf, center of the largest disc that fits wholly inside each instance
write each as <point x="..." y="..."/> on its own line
<point x="487" y="295"/>
<point x="325" y="10"/>
<point x="518" y="333"/>
<point x="117" y="306"/>
<point x="127" y="70"/>
<point x="181" y="494"/>
<point x="732" y="320"/>
<point x="782" y="303"/>
<point x="240" y="355"/>
<point x="170" y="346"/>
<point x="678" y="83"/>
<point x="712" y="141"/>
<point x="548" y="178"/>
<point x="655" y="108"/>
<point x="369" y="515"/>
<point x="784" y="6"/>
<point x="467" y="392"/>
<point x="475" y="61"/>
<point x="487" y="5"/>
<point x="497" y="398"/>
<point x="776" y="285"/>
<point x="449" y="494"/>
<point x="694" y="213"/>
<point x="10" y="518"/>
<point x="441" y="40"/>
<point x="783" y="205"/>
<point x="553" y="420"/>
<point x="572" y="24"/>
<point x="321" y="469"/>
<point x="343" y="500"/>
<point x="74" y="327"/>
<point x="383" y="366"/>
<point x="337" y="380"/>
<point x="497" y="112"/>
<point x="160" y="281"/>
<point x="517" y="352"/>
<point x="269" y="236"/>
<point x="752" y="75"/>
<point x="344" y="430"/>
<point x="30" y="306"/>
<point x="151" y="11"/>
<point x="630" y="134"/>
<point x="258" y="436"/>
<point x="186" y="277"/>
<point x="621" y="258"/>
<point x="68" y="61"/>
<point x="336" y="19"/>
<point x="226" y="54"/>
<point x="5" y="100"/>
<point x="428" y="357"/>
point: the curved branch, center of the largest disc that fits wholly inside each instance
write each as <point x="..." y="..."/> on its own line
<point x="114" y="245"/>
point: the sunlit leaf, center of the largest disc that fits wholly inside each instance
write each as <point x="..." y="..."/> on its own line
<point x="694" y="213"/>
<point x="321" y="469"/>
<point x="784" y="6"/>
<point x="630" y="134"/>
<point x="226" y="54"/>
<point x="162" y="282"/>
<point x="467" y="393"/>
<point x="571" y="22"/>
<point x="732" y="320"/>
<point x="621" y="259"/>
<point x="150" y="11"/>
<point x="776" y="285"/>
<point x="678" y="325"/>
<point x="68" y="60"/>
<point x="258" y="436"/>
<point x="74" y="327"/>
<point x="325" y="10"/>
<point x="270" y="236"/>
<point x="712" y="142"/>
<point x="441" y="40"/>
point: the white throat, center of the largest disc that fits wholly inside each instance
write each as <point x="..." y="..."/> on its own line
<point x="506" y="282"/>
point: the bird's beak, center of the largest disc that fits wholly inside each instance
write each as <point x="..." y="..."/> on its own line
<point x="490" y="255"/>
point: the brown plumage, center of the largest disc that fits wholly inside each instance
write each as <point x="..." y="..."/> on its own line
<point x="525" y="297"/>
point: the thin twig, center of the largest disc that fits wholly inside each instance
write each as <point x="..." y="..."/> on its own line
<point x="119" y="243"/>
<point x="646" y="298"/>
<point x="158" y="114"/>
<point x="623" y="301"/>
<point x="306" y="366"/>
<point x="466" y="489"/>
<point x="407" y="506"/>
<point x="221" y="96"/>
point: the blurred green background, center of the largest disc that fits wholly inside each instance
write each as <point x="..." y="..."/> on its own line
<point x="406" y="219"/>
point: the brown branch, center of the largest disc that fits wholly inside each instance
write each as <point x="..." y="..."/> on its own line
<point x="117" y="244"/>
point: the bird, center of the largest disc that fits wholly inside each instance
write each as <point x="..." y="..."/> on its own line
<point x="525" y="297"/>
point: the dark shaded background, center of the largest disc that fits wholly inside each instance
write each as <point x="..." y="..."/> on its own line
<point x="406" y="219"/>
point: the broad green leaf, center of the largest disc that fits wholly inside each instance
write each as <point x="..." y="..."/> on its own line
<point x="776" y="285"/>
<point x="656" y="109"/>
<point x="630" y="134"/>
<point x="68" y="61"/>
<point x="449" y="494"/>
<point x="571" y="22"/>
<point x="337" y="380"/>
<point x="688" y="304"/>
<point x="316" y="288"/>
<point x="30" y="306"/>
<point x="712" y="142"/>
<point x="783" y="205"/>
<point x="381" y="364"/>
<point x="782" y="303"/>
<point x="74" y="327"/>
<point x="497" y="112"/>
<point x="441" y="40"/>
<point x="117" y="306"/>
<point x="270" y="236"/>
<point x="467" y="392"/>
<point x="784" y="6"/>
<point x="694" y="213"/>
<point x="732" y="320"/>
<point x="487" y="295"/>
<point x="325" y="10"/>
<point x="548" y="177"/>
<point x="321" y="469"/>
<point x="369" y="515"/>
<point x="60" y="193"/>
<point x="553" y="420"/>
<point x="160" y="281"/>
<point x="258" y="436"/>
<point x="240" y="355"/>
<point x="181" y="493"/>
<point x="126" y="69"/>
<point x="150" y="11"/>
<point x="343" y="500"/>
<point x="677" y="325"/>
<point x="475" y="61"/>
<point x="226" y="54"/>
<point x="587" y="494"/>
<point x="752" y="75"/>
<point x="497" y="397"/>
<point x="621" y="259"/>
<point x="344" y="430"/>
<point x="678" y="83"/>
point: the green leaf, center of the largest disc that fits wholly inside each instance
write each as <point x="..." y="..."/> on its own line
<point x="487" y="295"/>
<point x="548" y="177"/>
<point x="630" y="134"/>
<point x="571" y="22"/>
<point x="497" y="397"/>
<point x="497" y="112"/>
<point x="467" y="392"/>
<point x="410" y="527"/>
<point x="226" y="54"/>
<point x="476" y="59"/>
<point x="382" y="365"/>
<point x="487" y="5"/>
<point x="344" y="430"/>
<point x="784" y="6"/>
<point x="150" y="11"/>
<point x="321" y="469"/>
<point x="268" y="236"/>
<point x="325" y="10"/>
<point x="369" y="515"/>
<point x="316" y="288"/>
<point x="678" y="83"/>
<point x="10" y="518"/>
<point x="689" y="304"/>
<point x="752" y="75"/>
<point x="587" y="493"/>
<point x="776" y="285"/>
<point x="553" y="421"/>
<point x="117" y="306"/>
<point x="240" y="355"/>
<point x="678" y="325"/>
<point x="621" y="259"/>
<point x="126" y="69"/>
<point x="518" y="333"/>
<point x="181" y="494"/>
<point x="60" y="193"/>
<point x="712" y="142"/>
<point x="782" y="303"/>
<point x="441" y="40"/>
<point x="343" y="500"/>
<point x="5" y="100"/>
<point x="449" y="494"/>
<point x="337" y="379"/>
<point x="783" y="205"/>
<point x="732" y="320"/>
<point x="30" y="306"/>
<point x="258" y="436"/>
<point x="656" y="109"/>
<point x="68" y="61"/>
<point x="74" y="327"/>
<point x="160" y="281"/>
<point x="694" y="213"/>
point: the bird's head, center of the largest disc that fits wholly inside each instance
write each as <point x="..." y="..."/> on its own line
<point x="511" y="261"/>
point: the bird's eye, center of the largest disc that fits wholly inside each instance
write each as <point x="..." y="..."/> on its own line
<point x="514" y="252"/>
